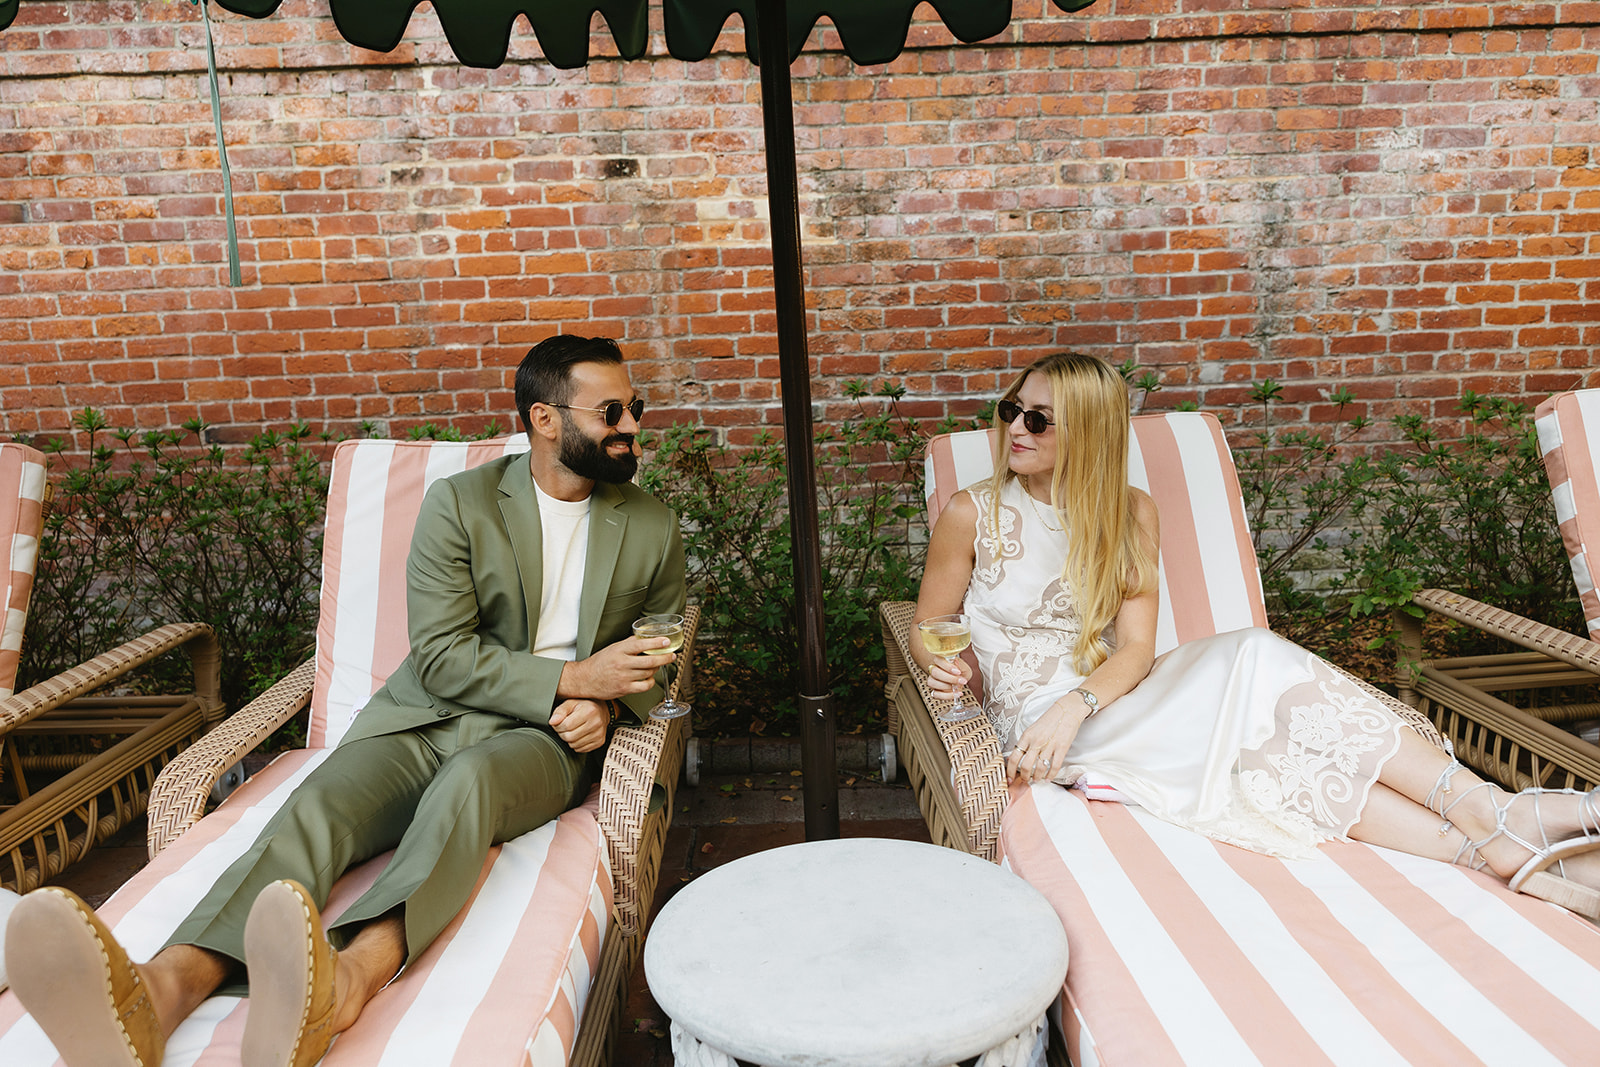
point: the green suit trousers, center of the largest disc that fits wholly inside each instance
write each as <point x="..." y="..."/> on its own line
<point x="439" y="795"/>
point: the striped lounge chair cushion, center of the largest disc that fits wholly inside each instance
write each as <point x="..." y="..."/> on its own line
<point x="506" y="983"/>
<point x="374" y="495"/>
<point x="1187" y="951"/>
<point x="1209" y="582"/>
<point x="1568" y="425"/>
<point x="21" y="523"/>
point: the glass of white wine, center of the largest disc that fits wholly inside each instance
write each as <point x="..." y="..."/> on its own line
<point x="669" y="626"/>
<point x="947" y="636"/>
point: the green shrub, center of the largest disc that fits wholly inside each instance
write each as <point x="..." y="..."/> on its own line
<point x="1343" y="540"/>
<point x="158" y="527"/>
<point x="735" y="517"/>
<point x="1473" y="516"/>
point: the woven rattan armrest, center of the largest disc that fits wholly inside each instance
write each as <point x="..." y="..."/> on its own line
<point x="1578" y="651"/>
<point x="178" y="797"/>
<point x="196" y="638"/>
<point x="639" y="758"/>
<point x="977" y="769"/>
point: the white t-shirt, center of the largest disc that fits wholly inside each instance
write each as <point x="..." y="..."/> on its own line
<point x="565" y="530"/>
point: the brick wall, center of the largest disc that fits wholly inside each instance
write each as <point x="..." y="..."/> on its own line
<point x="1397" y="198"/>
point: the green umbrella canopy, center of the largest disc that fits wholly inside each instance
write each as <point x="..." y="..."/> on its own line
<point x="872" y="31"/>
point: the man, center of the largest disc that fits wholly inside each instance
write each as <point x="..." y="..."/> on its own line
<point x="524" y="578"/>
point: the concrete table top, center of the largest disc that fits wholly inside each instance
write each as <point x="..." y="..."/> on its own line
<point x="865" y="952"/>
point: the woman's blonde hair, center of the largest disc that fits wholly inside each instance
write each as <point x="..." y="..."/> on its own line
<point x="1107" y="560"/>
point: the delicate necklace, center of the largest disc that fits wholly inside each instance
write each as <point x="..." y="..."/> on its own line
<point x="1035" y="505"/>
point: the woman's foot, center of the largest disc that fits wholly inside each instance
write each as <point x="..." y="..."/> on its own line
<point x="1545" y="843"/>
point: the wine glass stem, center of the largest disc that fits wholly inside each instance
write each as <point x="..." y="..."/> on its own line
<point x="955" y="704"/>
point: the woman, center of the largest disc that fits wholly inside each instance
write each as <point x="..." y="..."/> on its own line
<point x="1242" y="736"/>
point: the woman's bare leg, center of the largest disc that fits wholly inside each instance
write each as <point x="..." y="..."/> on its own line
<point x="1396" y="821"/>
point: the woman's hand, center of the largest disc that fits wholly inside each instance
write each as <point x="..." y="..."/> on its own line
<point x="946" y="678"/>
<point x="1042" y="752"/>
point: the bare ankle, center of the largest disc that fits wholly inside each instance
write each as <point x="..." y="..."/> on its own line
<point x="356" y="981"/>
<point x="179" y="979"/>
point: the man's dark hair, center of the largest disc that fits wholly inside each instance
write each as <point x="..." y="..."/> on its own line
<point x="545" y="374"/>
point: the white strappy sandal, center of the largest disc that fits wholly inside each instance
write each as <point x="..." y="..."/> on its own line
<point x="1534" y="878"/>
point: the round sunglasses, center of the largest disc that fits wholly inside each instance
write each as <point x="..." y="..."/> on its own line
<point x="612" y="411"/>
<point x="1033" y="420"/>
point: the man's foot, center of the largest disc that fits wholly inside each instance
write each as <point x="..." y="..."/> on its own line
<point x="79" y="985"/>
<point x="290" y="1021"/>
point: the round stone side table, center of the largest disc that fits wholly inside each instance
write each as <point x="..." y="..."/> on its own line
<point x="865" y="952"/>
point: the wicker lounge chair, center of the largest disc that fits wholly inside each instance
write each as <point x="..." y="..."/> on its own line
<point x="535" y="970"/>
<point x="1496" y="708"/>
<point x="65" y="795"/>
<point x="1184" y="950"/>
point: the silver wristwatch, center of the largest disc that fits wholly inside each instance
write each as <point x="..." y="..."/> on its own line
<point x="1088" y="698"/>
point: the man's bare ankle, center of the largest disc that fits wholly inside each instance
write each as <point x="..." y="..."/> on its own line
<point x="180" y="978"/>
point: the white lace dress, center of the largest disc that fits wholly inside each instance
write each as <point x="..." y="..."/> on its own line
<point x="1243" y="736"/>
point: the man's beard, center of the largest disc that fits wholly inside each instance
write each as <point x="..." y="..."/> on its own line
<point x="586" y="458"/>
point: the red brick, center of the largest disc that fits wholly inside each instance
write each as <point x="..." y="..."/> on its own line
<point x="1249" y="187"/>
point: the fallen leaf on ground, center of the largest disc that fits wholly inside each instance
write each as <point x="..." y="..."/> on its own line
<point x="731" y="818"/>
<point x="786" y="796"/>
<point x="707" y="848"/>
<point x="849" y="781"/>
<point x="794" y="774"/>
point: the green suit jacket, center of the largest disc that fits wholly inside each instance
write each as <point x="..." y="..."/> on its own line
<point x="473" y="583"/>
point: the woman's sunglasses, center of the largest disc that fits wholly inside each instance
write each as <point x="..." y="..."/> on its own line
<point x="612" y="411"/>
<point x="1033" y="421"/>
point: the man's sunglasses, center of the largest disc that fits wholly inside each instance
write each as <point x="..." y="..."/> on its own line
<point x="612" y="411"/>
<point x="1033" y="421"/>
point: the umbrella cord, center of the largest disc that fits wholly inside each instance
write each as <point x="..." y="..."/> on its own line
<point x="234" y="277"/>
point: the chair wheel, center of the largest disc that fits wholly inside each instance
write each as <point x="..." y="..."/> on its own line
<point x="231" y="779"/>
<point x="691" y="762"/>
<point x="888" y="763"/>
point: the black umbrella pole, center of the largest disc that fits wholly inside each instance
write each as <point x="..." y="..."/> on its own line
<point x="794" y="365"/>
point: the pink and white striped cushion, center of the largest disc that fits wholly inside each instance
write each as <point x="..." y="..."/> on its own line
<point x="21" y="523"/>
<point x="1209" y="580"/>
<point x="506" y="982"/>
<point x="1188" y="951"/>
<point x="1568" y="425"/>
<point x="374" y="494"/>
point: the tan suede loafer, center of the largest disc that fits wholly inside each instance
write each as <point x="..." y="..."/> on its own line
<point x="79" y="985"/>
<point x="290" y="1022"/>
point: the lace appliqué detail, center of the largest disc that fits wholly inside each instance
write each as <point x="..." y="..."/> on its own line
<point x="1313" y="775"/>
<point x="989" y="566"/>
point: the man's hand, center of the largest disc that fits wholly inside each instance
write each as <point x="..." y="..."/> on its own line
<point x="581" y="723"/>
<point x="628" y="666"/>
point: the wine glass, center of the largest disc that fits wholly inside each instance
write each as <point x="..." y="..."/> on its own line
<point x="669" y="626"/>
<point x="947" y="636"/>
